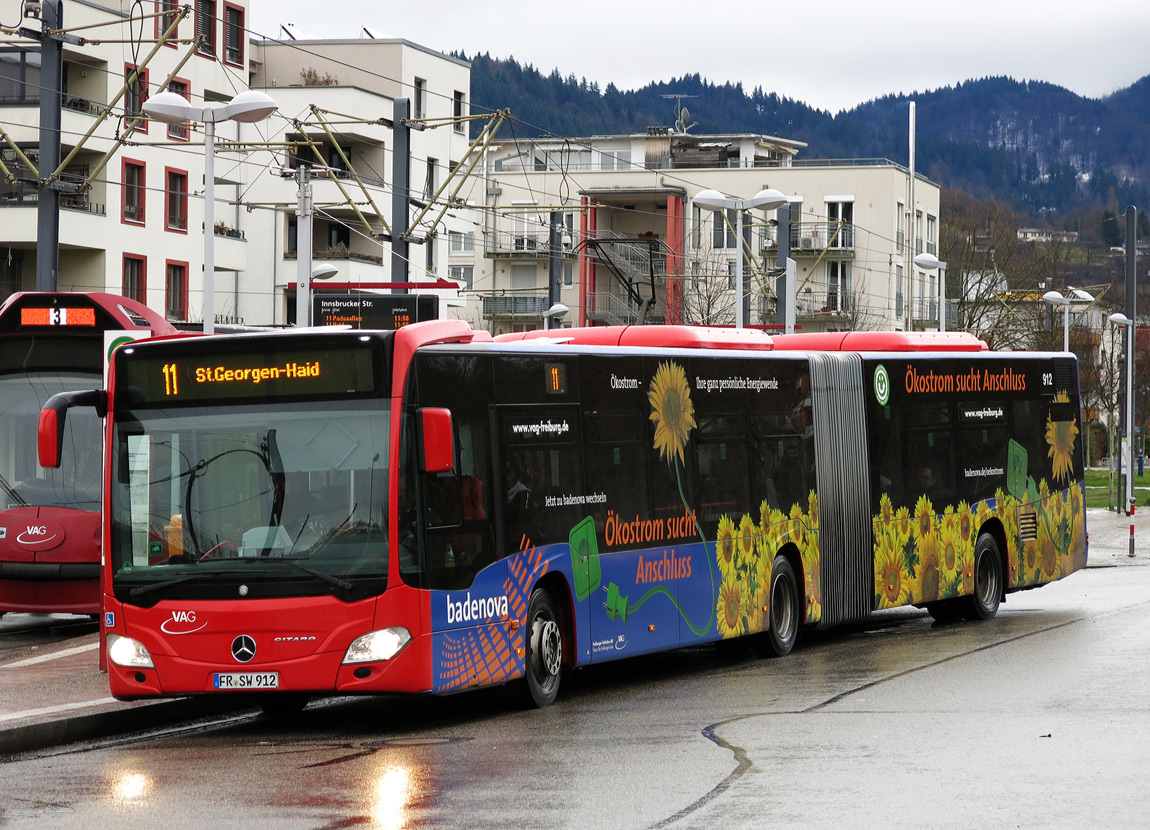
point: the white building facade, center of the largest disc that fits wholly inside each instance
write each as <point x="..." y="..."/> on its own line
<point x="134" y="226"/>
<point x="635" y="247"/>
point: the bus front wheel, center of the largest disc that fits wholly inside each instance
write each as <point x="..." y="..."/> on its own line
<point x="983" y="603"/>
<point x="784" y="611"/>
<point x="543" y="659"/>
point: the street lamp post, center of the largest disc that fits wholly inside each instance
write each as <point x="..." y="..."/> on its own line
<point x="1055" y="298"/>
<point x="929" y="262"/>
<point x="323" y="271"/>
<point x="171" y="108"/>
<point x="767" y="199"/>
<point x="1123" y="320"/>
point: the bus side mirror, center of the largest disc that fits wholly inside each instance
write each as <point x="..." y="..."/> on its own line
<point x="50" y="425"/>
<point x="436" y="440"/>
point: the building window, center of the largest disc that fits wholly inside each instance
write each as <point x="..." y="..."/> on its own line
<point x="136" y="80"/>
<point x="134" y="192"/>
<point x="162" y="23"/>
<point x="461" y="243"/>
<point x="462" y="274"/>
<point x="176" y="200"/>
<point x="179" y="132"/>
<point x="135" y="278"/>
<point x="431" y="243"/>
<point x="420" y="97"/>
<point x="840" y="225"/>
<point x="931" y="231"/>
<point x="459" y="110"/>
<point x="176" y="291"/>
<point x="19" y="76"/>
<point x="430" y="188"/>
<point x="234" y="34"/>
<point x="900" y="226"/>
<point x="838" y="286"/>
<point x="723" y="230"/>
<point x="917" y="232"/>
<point x="898" y="292"/>
<point x="568" y="272"/>
<point x="206" y="26"/>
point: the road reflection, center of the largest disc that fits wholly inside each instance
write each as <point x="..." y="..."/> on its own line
<point x="392" y="797"/>
<point x="131" y="787"/>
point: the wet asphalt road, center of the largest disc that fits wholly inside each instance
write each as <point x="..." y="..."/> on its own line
<point x="1038" y="718"/>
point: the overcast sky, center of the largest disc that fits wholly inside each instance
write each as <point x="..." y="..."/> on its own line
<point x="831" y="54"/>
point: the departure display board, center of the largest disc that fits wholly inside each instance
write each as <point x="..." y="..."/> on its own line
<point x="182" y="373"/>
<point x="374" y="311"/>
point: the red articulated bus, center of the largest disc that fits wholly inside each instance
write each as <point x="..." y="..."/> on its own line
<point x="431" y="509"/>
<point x="50" y="521"/>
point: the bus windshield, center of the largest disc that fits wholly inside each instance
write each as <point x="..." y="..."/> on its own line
<point x="23" y="482"/>
<point x="291" y="494"/>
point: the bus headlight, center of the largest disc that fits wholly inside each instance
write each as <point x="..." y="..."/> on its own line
<point x="378" y="645"/>
<point x="129" y="653"/>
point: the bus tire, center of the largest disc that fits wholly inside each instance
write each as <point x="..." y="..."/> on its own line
<point x="983" y="603"/>
<point x="285" y="703"/>
<point x="543" y="651"/>
<point x="783" y="611"/>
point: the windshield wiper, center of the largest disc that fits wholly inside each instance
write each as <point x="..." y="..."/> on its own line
<point x="12" y="492"/>
<point x="140" y="590"/>
<point x="328" y="578"/>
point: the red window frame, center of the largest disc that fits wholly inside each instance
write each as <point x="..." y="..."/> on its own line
<point x="143" y="260"/>
<point x="162" y="23"/>
<point x="181" y="298"/>
<point x="243" y="33"/>
<point x="168" y="195"/>
<point x="208" y="50"/>
<point x="129" y="68"/>
<point x="180" y="132"/>
<point x="124" y="188"/>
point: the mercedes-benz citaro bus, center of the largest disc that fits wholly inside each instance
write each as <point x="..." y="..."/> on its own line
<point x="50" y="519"/>
<point x="431" y="509"/>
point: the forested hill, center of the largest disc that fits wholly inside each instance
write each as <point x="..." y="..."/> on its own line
<point x="1036" y="145"/>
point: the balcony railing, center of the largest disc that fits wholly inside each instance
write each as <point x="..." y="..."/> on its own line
<point x="340" y="253"/>
<point x="529" y="244"/>
<point x="815" y="237"/>
<point x="515" y="306"/>
<point x="611" y="308"/>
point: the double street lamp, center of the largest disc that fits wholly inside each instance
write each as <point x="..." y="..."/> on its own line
<point x="929" y="262"/>
<point x="1055" y="298"/>
<point x="767" y="199"/>
<point x="247" y="108"/>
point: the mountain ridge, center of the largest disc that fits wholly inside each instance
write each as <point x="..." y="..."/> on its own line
<point x="1036" y="145"/>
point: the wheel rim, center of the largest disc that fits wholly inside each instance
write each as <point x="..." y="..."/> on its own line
<point x="986" y="580"/>
<point x="782" y="609"/>
<point x="546" y="649"/>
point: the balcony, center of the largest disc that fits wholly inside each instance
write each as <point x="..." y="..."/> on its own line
<point x="521" y="305"/>
<point x="340" y="253"/>
<point x="813" y="238"/>
<point x="525" y="245"/>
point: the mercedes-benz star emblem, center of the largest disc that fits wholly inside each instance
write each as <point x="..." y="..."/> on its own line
<point x="243" y="648"/>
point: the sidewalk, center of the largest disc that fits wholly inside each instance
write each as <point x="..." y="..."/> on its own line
<point x="60" y="696"/>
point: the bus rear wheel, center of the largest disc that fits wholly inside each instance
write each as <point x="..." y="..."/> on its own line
<point x="983" y="603"/>
<point x="783" y="610"/>
<point x="543" y="658"/>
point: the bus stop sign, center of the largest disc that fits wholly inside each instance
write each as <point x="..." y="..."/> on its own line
<point x="374" y="311"/>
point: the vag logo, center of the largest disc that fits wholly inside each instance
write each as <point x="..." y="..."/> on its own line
<point x="40" y="535"/>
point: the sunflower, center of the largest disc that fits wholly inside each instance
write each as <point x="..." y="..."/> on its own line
<point x="1060" y="437"/>
<point x="813" y="509"/>
<point x="725" y="546"/>
<point x="730" y="608"/>
<point x="923" y="517"/>
<point x="965" y="522"/>
<point x="929" y="571"/>
<point x="671" y="410"/>
<point x="949" y="553"/>
<point x="892" y="583"/>
<point x="747" y="535"/>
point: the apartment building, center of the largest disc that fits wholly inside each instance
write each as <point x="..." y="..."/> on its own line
<point x="133" y="224"/>
<point x="635" y="247"/>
